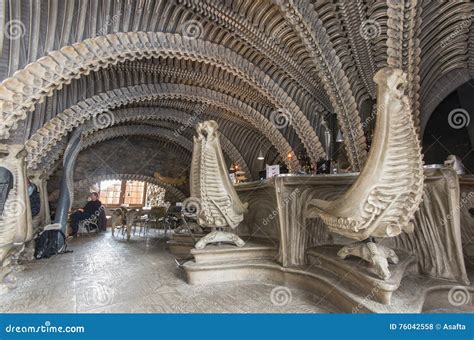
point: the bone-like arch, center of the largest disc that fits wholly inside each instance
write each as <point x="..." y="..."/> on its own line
<point x="403" y="50"/>
<point x="49" y="165"/>
<point x="20" y="93"/>
<point x="246" y="139"/>
<point x="145" y="130"/>
<point x="186" y="121"/>
<point x="178" y="194"/>
<point x="222" y="23"/>
<point x="47" y="136"/>
<point x="308" y="26"/>
<point x="139" y="130"/>
<point x="441" y="89"/>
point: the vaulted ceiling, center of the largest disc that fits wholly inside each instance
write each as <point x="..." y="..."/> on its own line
<point x="270" y="72"/>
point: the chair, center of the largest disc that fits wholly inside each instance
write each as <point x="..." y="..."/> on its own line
<point x="157" y="218"/>
<point x="97" y="221"/>
<point x="141" y="222"/>
<point x="89" y="224"/>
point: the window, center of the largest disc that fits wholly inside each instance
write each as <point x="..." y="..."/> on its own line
<point x="134" y="191"/>
<point x="114" y="193"/>
<point x="110" y="192"/>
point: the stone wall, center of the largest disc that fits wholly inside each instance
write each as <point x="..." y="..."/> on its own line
<point x="126" y="155"/>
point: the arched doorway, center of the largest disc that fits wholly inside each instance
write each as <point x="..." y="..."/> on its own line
<point x="450" y="129"/>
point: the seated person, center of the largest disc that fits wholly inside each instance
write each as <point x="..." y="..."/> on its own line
<point x="89" y="209"/>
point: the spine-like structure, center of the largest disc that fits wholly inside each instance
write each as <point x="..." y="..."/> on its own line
<point x="383" y="200"/>
<point x="20" y="93"/>
<point x="309" y="27"/>
<point x="178" y="194"/>
<point x="15" y="220"/>
<point x="219" y="204"/>
<point x="185" y="120"/>
<point x="52" y="132"/>
<point x="46" y="163"/>
<point x="403" y="46"/>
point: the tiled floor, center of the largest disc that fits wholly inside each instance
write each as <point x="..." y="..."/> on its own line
<point x="104" y="274"/>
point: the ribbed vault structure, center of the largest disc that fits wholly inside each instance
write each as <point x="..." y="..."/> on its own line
<point x="171" y="191"/>
<point x="270" y="72"/>
<point x="178" y="134"/>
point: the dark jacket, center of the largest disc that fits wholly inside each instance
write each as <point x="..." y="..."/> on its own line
<point x="96" y="208"/>
<point x="91" y="207"/>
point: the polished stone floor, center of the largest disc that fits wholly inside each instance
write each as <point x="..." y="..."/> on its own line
<point x="104" y="274"/>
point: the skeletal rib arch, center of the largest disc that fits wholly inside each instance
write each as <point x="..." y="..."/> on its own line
<point x="47" y="136"/>
<point x="186" y="120"/>
<point x="128" y="177"/>
<point x="20" y="93"/>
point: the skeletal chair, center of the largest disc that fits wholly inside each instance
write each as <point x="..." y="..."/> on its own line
<point x="6" y="184"/>
<point x="15" y="219"/>
<point x="213" y="195"/>
<point x="387" y="193"/>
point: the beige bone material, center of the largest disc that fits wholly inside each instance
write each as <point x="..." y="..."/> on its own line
<point x="385" y="197"/>
<point x="218" y="204"/>
<point x="16" y="221"/>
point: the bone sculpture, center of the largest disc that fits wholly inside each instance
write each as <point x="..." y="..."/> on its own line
<point x="386" y="195"/>
<point x="15" y="220"/>
<point x="189" y="227"/>
<point x="117" y="219"/>
<point x="218" y="204"/>
<point x="455" y="163"/>
<point x="127" y="219"/>
<point x="132" y="218"/>
<point x="29" y="86"/>
<point x="42" y="219"/>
